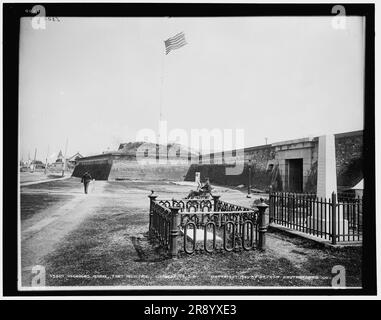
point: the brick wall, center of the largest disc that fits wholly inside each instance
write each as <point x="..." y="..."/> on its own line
<point x="349" y="157"/>
<point x="261" y="177"/>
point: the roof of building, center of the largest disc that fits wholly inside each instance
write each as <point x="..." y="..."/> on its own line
<point x="131" y="148"/>
<point x="75" y="156"/>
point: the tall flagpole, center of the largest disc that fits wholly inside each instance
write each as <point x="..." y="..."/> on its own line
<point x="64" y="164"/>
<point x="170" y="44"/>
<point x="162" y="78"/>
<point x="46" y="161"/>
<point x="34" y="161"/>
<point x="162" y="87"/>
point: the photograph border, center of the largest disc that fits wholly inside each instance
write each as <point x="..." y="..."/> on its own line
<point x="11" y="29"/>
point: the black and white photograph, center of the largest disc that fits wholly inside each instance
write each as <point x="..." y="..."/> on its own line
<point x="196" y="150"/>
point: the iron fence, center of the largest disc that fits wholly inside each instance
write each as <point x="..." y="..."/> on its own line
<point x="330" y="219"/>
<point x="193" y="226"/>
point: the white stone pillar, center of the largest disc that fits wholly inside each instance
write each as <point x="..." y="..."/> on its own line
<point x="197" y="178"/>
<point x="326" y="184"/>
<point x="326" y="174"/>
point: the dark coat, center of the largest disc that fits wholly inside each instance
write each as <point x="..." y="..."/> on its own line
<point x="86" y="178"/>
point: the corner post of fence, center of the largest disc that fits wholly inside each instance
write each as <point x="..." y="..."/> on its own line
<point x="152" y="199"/>
<point x="271" y="213"/>
<point x="334" y="222"/>
<point x="174" y="231"/>
<point x="263" y="222"/>
<point x="215" y="204"/>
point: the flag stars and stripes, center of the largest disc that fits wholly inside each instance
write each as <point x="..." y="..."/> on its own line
<point x="175" y="42"/>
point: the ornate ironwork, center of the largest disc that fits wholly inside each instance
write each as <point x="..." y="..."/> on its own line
<point x="160" y="224"/>
<point x="191" y="205"/>
<point x="205" y="225"/>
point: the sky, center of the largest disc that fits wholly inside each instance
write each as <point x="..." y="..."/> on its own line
<point x="94" y="83"/>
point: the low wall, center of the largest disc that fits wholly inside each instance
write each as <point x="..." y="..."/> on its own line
<point x="265" y="167"/>
<point x="261" y="175"/>
<point x="260" y="179"/>
<point x="99" y="170"/>
<point x="132" y="170"/>
<point x="349" y="157"/>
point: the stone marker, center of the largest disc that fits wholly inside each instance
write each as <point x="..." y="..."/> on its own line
<point x="326" y="184"/>
<point x="197" y="178"/>
<point x="200" y="235"/>
<point x="326" y="174"/>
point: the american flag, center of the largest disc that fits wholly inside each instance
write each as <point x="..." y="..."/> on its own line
<point x="175" y="42"/>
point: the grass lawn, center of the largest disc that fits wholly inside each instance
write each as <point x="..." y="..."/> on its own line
<point x="111" y="248"/>
<point x="34" y="203"/>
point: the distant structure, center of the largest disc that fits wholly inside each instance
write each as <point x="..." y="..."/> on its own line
<point x="60" y="157"/>
<point x="73" y="160"/>
<point x="38" y="164"/>
<point x="122" y="164"/>
<point x="289" y="166"/>
<point x="59" y="163"/>
<point x="30" y="165"/>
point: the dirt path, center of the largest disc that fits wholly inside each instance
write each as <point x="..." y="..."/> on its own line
<point x="41" y="233"/>
<point x="23" y="184"/>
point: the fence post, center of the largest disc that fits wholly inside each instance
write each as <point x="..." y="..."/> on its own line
<point x="215" y="205"/>
<point x="249" y="180"/>
<point x="152" y="199"/>
<point x="263" y="220"/>
<point x="333" y="223"/>
<point x="174" y="231"/>
<point x="271" y="207"/>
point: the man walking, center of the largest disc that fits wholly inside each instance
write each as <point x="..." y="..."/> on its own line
<point x="86" y="178"/>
